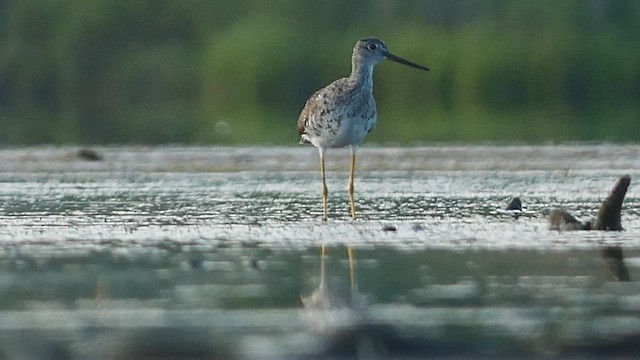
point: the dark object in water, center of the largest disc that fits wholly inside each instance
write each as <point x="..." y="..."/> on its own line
<point x="196" y="262"/>
<point x="609" y="214"/>
<point x="515" y="208"/>
<point x="560" y="219"/>
<point x="515" y="204"/>
<point x="254" y="264"/>
<point x="89" y="155"/>
<point x="389" y="228"/>
<point x="608" y="217"/>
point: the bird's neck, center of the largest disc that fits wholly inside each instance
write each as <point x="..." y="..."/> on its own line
<point x="362" y="73"/>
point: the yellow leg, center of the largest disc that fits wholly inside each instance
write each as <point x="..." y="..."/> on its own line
<point x="325" y="192"/>
<point x="352" y="203"/>
<point x="352" y="266"/>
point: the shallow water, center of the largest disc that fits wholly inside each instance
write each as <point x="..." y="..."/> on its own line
<point x="206" y="253"/>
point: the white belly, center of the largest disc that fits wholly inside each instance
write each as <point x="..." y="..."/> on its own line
<point x="352" y="131"/>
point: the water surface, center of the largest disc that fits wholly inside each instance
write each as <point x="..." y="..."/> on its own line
<point x="207" y="252"/>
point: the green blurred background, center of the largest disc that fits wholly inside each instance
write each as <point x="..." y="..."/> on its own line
<point x="238" y="72"/>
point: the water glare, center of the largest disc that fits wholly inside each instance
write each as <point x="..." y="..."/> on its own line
<point x="211" y="251"/>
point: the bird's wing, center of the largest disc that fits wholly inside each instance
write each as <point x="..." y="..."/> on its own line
<point x="323" y="99"/>
<point x="308" y="109"/>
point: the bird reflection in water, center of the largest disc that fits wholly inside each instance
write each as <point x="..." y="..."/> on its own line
<point x="347" y="329"/>
<point x="325" y="311"/>
<point x="607" y="219"/>
<point x="344" y="326"/>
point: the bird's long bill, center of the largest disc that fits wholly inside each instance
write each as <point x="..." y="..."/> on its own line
<point x="400" y="60"/>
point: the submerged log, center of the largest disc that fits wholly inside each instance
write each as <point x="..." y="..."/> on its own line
<point x="562" y="220"/>
<point x="608" y="217"/>
<point x="609" y="214"/>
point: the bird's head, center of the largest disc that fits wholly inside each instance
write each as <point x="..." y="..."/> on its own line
<point x="372" y="50"/>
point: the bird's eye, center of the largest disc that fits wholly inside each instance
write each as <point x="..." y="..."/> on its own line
<point x="372" y="46"/>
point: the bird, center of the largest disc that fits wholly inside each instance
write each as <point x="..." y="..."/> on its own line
<point x="344" y="112"/>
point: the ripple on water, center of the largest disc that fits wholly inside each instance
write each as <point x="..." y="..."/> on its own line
<point x="227" y="240"/>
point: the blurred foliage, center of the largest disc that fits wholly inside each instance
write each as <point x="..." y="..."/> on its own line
<point x="229" y="72"/>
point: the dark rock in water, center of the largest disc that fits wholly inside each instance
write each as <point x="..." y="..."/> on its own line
<point x="89" y="155"/>
<point x="515" y="204"/>
<point x="515" y="208"/>
<point x="560" y="219"/>
<point x="389" y="228"/>
<point x="609" y="214"/>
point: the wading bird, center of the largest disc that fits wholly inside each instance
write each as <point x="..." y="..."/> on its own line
<point x="342" y="113"/>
